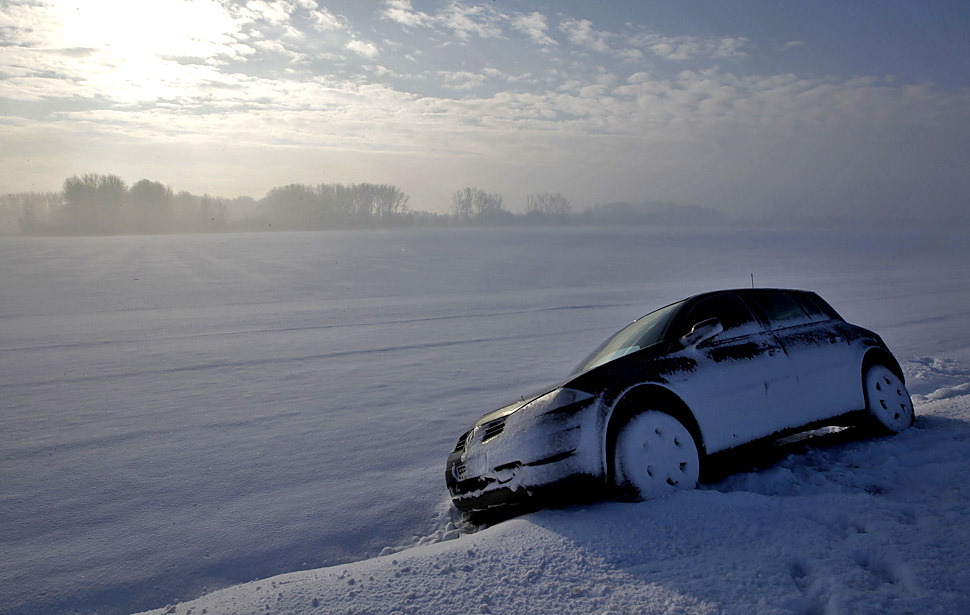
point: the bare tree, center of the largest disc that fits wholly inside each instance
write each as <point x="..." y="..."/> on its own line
<point x="389" y="201"/>
<point x="332" y="205"/>
<point x="554" y="204"/>
<point x="461" y="202"/>
<point x="487" y="204"/>
<point x="475" y="202"/>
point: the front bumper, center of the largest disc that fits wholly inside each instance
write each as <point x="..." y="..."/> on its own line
<point x="518" y="457"/>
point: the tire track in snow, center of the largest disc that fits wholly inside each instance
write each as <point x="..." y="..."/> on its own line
<point x="353" y="325"/>
<point x="244" y="363"/>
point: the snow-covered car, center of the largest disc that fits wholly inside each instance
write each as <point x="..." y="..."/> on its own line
<point x="647" y="409"/>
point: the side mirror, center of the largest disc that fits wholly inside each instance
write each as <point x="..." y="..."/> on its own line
<point x="701" y="332"/>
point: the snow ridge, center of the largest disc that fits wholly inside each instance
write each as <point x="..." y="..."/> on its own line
<point x="868" y="526"/>
<point x="449" y="524"/>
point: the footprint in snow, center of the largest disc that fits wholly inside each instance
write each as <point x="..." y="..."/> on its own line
<point x="888" y="571"/>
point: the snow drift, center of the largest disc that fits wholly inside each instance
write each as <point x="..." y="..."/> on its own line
<point x="182" y="414"/>
<point x="870" y="526"/>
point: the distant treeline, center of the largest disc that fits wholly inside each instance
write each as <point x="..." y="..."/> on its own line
<point x="298" y="206"/>
<point x="104" y="205"/>
<point x="96" y="204"/>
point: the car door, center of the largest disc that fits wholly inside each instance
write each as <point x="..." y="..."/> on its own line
<point x="826" y="377"/>
<point x="740" y="376"/>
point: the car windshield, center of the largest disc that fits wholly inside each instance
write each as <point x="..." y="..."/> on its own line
<point x="643" y="332"/>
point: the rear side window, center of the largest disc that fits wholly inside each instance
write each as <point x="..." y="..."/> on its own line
<point x="779" y="308"/>
<point x="812" y="308"/>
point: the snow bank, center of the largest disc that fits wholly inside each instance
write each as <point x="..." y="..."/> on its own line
<point x="870" y="526"/>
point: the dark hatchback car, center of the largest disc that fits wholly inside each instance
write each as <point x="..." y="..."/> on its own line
<point x="641" y="414"/>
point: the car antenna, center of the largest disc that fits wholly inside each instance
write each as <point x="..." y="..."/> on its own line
<point x="752" y="280"/>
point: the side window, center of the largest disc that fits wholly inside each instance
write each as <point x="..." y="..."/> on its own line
<point x="780" y="309"/>
<point x="728" y="308"/>
<point x="807" y="303"/>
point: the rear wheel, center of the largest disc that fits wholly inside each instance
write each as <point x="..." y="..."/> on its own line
<point x="887" y="400"/>
<point x="654" y="455"/>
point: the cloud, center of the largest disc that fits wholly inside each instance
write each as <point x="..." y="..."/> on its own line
<point x="630" y="55"/>
<point x="402" y="12"/>
<point x="152" y="27"/>
<point x="163" y="49"/>
<point x="324" y="19"/>
<point x="462" y="19"/>
<point x="467" y="20"/>
<point x="361" y="48"/>
<point x="461" y="80"/>
<point x="127" y="53"/>
<point x="534" y="26"/>
<point x="272" y="11"/>
<point x="581" y="32"/>
<point x="495" y="73"/>
<point x="708" y="137"/>
<point x="681" y="48"/>
<point x="730" y="47"/>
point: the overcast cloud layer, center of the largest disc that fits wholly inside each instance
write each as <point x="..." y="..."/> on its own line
<point x="820" y="109"/>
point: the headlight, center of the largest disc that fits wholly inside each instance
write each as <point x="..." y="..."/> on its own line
<point x="556" y="399"/>
<point x="552" y="401"/>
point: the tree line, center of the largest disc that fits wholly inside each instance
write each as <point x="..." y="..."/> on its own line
<point x="96" y="204"/>
<point x="299" y="206"/>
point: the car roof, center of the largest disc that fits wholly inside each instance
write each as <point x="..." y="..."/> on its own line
<point x="691" y="300"/>
<point x="745" y="291"/>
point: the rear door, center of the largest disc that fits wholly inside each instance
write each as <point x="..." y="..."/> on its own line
<point x="825" y="375"/>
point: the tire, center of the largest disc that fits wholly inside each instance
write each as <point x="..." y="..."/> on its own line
<point x="888" y="404"/>
<point x="654" y="455"/>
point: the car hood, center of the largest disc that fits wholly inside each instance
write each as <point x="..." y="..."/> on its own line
<point x="509" y="409"/>
<point x="522" y="401"/>
<point x="597" y="379"/>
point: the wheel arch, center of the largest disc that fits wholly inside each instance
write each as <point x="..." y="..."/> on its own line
<point x="641" y="398"/>
<point x="880" y="356"/>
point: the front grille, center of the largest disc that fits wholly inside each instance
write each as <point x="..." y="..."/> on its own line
<point x="493" y="428"/>
<point x="487" y="431"/>
<point x="461" y="442"/>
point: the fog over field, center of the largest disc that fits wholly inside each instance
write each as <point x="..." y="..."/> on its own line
<point x="182" y="413"/>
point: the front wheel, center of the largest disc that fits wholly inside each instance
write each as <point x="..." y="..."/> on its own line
<point x="654" y="455"/>
<point x="887" y="400"/>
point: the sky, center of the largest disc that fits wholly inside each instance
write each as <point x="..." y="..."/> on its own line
<point x="751" y="106"/>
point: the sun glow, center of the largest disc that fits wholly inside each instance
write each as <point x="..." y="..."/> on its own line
<point x="182" y="28"/>
<point x="147" y="49"/>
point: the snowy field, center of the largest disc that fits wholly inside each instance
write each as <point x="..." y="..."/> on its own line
<point x="184" y="414"/>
